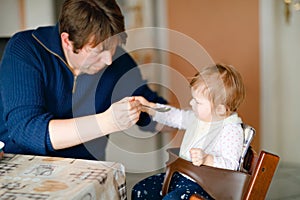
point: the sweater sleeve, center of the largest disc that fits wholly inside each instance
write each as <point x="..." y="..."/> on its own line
<point x="23" y="101"/>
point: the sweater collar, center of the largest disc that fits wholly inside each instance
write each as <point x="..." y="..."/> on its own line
<point x="49" y="38"/>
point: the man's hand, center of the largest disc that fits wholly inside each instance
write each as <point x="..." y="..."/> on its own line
<point x="121" y="115"/>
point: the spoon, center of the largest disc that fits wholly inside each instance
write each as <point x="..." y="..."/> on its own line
<point x="158" y="109"/>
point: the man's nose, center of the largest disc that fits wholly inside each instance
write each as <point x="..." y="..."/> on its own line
<point x="107" y="57"/>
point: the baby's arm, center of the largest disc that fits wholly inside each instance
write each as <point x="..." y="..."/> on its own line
<point x="226" y="153"/>
<point x="175" y="118"/>
<point x="229" y="147"/>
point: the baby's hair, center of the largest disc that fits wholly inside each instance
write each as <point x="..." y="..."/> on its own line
<point x="222" y="84"/>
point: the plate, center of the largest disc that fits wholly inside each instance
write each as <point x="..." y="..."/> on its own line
<point x="1" y="145"/>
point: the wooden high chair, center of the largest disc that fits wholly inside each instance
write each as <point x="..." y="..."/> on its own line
<point x="250" y="181"/>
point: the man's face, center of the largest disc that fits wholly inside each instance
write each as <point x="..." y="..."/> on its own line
<point x="90" y="60"/>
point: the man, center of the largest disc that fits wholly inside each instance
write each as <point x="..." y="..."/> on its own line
<point x="64" y="87"/>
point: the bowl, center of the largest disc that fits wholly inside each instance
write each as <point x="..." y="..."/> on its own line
<point x="1" y="149"/>
<point x="1" y="146"/>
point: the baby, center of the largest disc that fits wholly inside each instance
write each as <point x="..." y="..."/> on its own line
<point x="213" y="136"/>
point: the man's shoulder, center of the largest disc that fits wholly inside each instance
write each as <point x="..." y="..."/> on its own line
<point x="41" y="30"/>
<point x="122" y="57"/>
<point x="120" y="51"/>
<point x="18" y="43"/>
<point x="22" y="35"/>
<point x="45" y="30"/>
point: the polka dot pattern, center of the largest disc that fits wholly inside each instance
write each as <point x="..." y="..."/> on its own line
<point x="180" y="188"/>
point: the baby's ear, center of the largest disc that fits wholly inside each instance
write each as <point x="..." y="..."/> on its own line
<point x="221" y="110"/>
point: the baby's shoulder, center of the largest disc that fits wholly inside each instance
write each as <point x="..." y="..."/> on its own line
<point x="233" y="130"/>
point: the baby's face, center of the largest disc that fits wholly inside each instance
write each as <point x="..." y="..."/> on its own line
<point x="201" y="105"/>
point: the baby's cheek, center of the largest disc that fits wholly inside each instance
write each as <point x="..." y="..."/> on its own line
<point x="199" y="112"/>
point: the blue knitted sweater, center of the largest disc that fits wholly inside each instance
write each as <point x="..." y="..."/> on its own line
<point x="36" y="86"/>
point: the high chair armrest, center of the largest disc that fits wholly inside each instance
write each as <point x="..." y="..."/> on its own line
<point x="216" y="181"/>
<point x="222" y="184"/>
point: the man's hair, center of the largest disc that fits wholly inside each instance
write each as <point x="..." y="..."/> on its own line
<point x="222" y="84"/>
<point x="92" y="22"/>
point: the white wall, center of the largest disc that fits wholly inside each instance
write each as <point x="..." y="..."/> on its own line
<point x="9" y="17"/>
<point x="39" y="13"/>
<point x="280" y="69"/>
<point x="36" y="13"/>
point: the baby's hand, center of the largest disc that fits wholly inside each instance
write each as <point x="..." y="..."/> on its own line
<point x="197" y="156"/>
<point x="145" y="102"/>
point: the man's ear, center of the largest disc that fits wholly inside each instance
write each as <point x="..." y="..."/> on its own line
<point x="221" y="110"/>
<point x="66" y="43"/>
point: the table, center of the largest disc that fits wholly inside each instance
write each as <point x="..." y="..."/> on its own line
<point x="44" y="178"/>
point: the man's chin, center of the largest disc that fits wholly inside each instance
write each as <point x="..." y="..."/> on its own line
<point x="91" y="70"/>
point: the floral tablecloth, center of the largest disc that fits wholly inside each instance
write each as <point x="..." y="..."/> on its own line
<point x="44" y="178"/>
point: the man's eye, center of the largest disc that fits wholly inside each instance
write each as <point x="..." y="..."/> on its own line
<point x="197" y="102"/>
<point x="96" y="52"/>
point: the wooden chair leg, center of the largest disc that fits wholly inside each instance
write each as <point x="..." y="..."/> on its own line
<point x="262" y="176"/>
<point x="168" y="177"/>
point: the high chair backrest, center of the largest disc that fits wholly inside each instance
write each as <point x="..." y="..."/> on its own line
<point x="249" y="133"/>
<point x="252" y="182"/>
